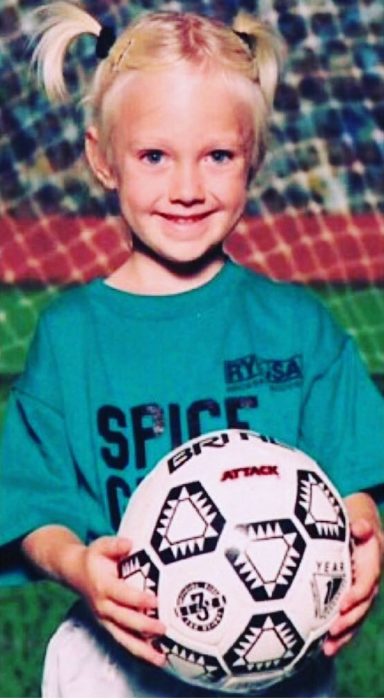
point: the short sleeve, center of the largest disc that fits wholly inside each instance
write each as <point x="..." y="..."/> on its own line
<point x="342" y="422"/>
<point x="38" y="482"/>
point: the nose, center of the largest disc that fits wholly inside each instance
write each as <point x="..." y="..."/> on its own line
<point x="186" y="185"/>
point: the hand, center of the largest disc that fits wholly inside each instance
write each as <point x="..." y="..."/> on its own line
<point x="366" y="566"/>
<point x="116" y="605"/>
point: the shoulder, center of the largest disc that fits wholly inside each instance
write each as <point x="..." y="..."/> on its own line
<point x="65" y="321"/>
<point x="294" y="310"/>
<point x="58" y="338"/>
<point x="285" y="295"/>
<point x="71" y="305"/>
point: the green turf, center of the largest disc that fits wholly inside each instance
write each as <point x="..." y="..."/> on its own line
<point x="5" y="385"/>
<point x="361" y="312"/>
<point x="20" y="308"/>
<point x="28" y="617"/>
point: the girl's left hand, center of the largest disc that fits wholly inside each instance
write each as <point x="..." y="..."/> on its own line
<point x="366" y="564"/>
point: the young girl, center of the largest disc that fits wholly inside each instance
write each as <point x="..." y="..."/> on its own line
<point x="123" y="369"/>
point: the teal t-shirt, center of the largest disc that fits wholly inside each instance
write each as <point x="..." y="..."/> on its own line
<point x="114" y="381"/>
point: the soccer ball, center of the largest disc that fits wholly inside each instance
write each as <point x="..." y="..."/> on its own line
<point x="246" y="543"/>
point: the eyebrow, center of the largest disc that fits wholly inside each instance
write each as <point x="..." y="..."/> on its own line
<point x="216" y="143"/>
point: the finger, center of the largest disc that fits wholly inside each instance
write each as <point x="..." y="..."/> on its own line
<point x="333" y="646"/>
<point x="113" y="547"/>
<point x="124" y="594"/>
<point x="135" y="645"/>
<point x="365" y="589"/>
<point x="129" y="619"/>
<point x="350" y="620"/>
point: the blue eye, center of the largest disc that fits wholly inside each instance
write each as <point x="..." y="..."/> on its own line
<point x="153" y="156"/>
<point x="221" y="155"/>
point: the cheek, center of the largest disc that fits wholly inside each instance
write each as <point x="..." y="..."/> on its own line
<point x="133" y="196"/>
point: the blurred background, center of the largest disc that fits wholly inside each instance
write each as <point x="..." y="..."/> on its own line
<point x="315" y="215"/>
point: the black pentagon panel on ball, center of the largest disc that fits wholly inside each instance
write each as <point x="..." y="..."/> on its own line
<point x="185" y="662"/>
<point x="318" y="508"/>
<point x="268" y="558"/>
<point x="189" y="524"/>
<point x="270" y="642"/>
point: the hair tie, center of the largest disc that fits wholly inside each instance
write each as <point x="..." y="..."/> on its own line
<point x="105" y="40"/>
<point x="248" y="39"/>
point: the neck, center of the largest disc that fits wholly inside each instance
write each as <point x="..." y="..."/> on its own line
<point x="145" y="273"/>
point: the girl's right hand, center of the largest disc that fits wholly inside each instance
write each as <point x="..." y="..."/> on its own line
<point x="117" y="606"/>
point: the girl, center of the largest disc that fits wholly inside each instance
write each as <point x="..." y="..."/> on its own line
<point x="125" y="368"/>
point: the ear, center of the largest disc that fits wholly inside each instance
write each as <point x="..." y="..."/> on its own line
<point x="97" y="159"/>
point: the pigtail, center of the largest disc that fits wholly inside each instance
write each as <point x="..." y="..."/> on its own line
<point x="57" y="25"/>
<point x="267" y="49"/>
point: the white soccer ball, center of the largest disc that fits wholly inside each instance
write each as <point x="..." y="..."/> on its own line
<point x="246" y="543"/>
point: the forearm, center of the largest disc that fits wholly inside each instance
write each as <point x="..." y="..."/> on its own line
<point x="58" y="553"/>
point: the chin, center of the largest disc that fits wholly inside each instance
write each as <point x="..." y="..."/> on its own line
<point x="180" y="254"/>
<point x="194" y="255"/>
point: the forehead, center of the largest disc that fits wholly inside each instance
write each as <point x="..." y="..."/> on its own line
<point x="180" y="101"/>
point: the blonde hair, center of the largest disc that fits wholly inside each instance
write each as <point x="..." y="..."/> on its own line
<point x="250" y="49"/>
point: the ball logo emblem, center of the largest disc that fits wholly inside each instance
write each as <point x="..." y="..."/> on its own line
<point x="201" y="606"/>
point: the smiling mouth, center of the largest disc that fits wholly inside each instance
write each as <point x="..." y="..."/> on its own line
<point x="182" y="219"/>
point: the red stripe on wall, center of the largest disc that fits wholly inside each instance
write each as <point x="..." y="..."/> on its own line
<point x="332" y="247"/>
<point x="329" y="248"/>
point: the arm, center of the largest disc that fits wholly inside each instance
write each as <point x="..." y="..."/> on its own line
<point x="91" y="571"/>
<point x="367" y="561"/>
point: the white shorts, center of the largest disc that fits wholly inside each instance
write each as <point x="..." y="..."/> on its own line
<point x="83" y="660"/>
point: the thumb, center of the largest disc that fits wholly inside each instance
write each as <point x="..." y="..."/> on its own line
<point x="113" y="547"/>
